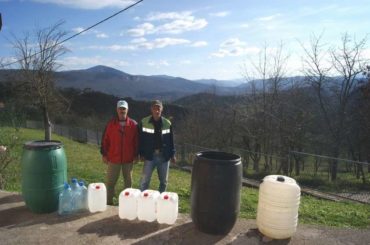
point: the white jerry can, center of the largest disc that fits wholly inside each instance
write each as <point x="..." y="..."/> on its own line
<point x="128" y="203"/>
<point x="167" y="208"/>
<point x="97" y="197"/>
<point x="147" y="205"/>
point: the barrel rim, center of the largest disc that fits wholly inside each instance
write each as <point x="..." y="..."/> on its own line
<point x="42" y="144"/>
<point x="231" y="156"/>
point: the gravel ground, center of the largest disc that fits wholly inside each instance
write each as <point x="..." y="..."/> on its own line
<point x="363" y="197"/>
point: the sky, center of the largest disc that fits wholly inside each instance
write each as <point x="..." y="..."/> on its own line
<point x="193" y="39"/>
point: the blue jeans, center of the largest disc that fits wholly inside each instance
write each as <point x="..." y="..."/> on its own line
<point x="162" y="170"/>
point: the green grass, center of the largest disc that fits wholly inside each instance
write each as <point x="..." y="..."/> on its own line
<point x="84" y="162"/>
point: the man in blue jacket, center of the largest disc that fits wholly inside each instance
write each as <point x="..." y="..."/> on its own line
<point x="156" y="146"/>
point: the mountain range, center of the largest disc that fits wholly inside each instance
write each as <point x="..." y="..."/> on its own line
<point x="111" y="81"/>
<point x="115" y="82"/>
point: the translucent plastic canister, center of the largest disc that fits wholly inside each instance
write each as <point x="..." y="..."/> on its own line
<point x="128" y="202"/>
<point x="278" y="204"/>
<point x="147" y="205"/>
<point x="167" y="208"/>
<point x="97" y="197"/>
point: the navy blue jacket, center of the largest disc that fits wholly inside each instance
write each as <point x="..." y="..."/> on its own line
<point x="146" y="138"/>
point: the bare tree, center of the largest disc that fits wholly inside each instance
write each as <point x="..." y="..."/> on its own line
<point x="205" y="125"/>
<point x="260" y="117"/>
<point x="37" y="56"/>
<point x="333" y="73"/>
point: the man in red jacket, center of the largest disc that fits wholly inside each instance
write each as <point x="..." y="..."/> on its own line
<point x="119" y="148"/>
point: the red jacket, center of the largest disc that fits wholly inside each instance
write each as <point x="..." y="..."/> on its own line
<point x="120" y="144"/>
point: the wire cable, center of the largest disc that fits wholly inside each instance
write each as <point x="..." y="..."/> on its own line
<point x="79" y="33"/>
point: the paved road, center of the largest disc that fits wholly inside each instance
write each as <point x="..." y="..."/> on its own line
<point x="19" y="226"/>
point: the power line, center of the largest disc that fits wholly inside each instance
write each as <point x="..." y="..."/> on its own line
<point x="79" y="33"/>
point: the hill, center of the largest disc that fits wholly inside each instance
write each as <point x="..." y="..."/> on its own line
<point x="92" y="109"/>
<point x="112" y="81"/>
<point x="222" y="83"/>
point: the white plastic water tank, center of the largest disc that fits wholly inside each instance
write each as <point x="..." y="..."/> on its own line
<point x="278" y="204"/>
<point x="128" y="200"/>
<point x="167" y="208"/>
<point x="147" y="205"/>
<point x="97" y="197"/>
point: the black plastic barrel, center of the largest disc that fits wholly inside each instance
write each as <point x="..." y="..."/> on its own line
<point x="44" y="171"/>
<point x="215" y="191"/>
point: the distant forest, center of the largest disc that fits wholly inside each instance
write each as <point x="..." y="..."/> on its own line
<point x="80" y="108"/>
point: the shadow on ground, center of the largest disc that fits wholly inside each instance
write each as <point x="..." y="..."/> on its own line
<point x="148" y="232"/>
<point x="124" y="229"/>
<point x="11" y="199"/>
<point x="21" y="216"/>
<point x="181" y="234"/>
<point x="253" y="236"/>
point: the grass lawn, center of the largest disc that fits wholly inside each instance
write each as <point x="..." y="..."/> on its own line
<point x="84" y="162"/>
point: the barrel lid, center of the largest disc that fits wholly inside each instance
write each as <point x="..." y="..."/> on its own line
<point x="218" y="156"/>
<point x="281" y="179"/>
<point x="42" y="144"/>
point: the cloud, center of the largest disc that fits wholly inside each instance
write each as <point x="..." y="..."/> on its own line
<point x="142" y="30"/>
<point x="185" y="62"/>
<point x="7" y="60"/>
<point x="182" y="25"/>
<point x="269" y="18"/>
<point x="90" y="4"/>
<point x="76" y="62"/>
<point x="366" y="53"/>
<point x="199" y="44"/>
<point x="102" y="35"/>
<point x="168" y="15"/>
<point x="142" y="43"/>
<point x="245" y="25"/>
<point x="234" y="47"/>
<point x="138" y="40"/>
<point x="168" y="23"/>
<point x="220" y="14"/>
<point x="78" y="29"/>
<point x="158" y="63"/>
<point x="164" y="42"/>
<point x="98" y="34"/>
<point x="114" y="47"/>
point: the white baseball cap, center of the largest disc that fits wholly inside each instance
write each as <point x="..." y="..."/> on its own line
<point x="122" y="103"/>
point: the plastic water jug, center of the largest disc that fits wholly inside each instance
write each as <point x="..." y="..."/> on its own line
<point x="76" y="194"/>
<point x="65" y="201"/>
<point x="147" y="205"/>
<point x="97" y="197"/>
<point x="74" y="184"/>
<point x="81" y="202"/>
<point x="167" y="208"/>
<point x="278" y="203"/>
<point x="128" y="202"/>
